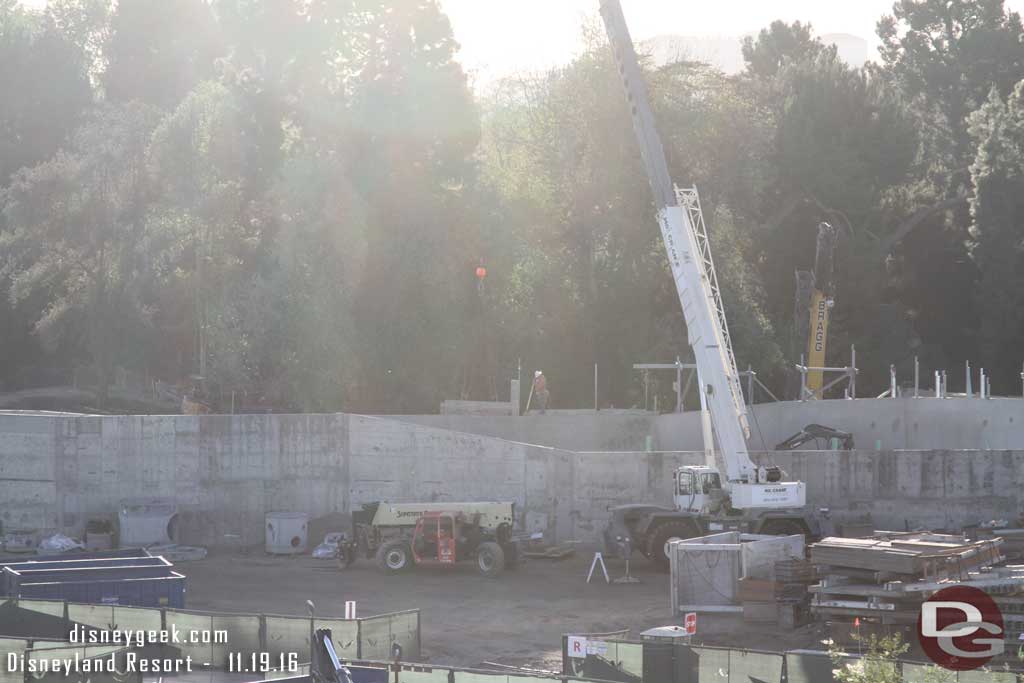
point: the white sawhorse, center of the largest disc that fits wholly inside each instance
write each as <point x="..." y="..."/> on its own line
<point x="598" y="559"/>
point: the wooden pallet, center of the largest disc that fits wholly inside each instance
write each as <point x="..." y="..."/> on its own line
<point x="756" y="590"/>
<point x="795" y="571"/>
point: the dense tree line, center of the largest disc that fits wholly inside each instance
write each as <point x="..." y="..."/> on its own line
<point x="292" y="198"/>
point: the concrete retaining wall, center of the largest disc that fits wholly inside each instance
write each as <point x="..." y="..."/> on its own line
<point x="903" y="423"/>
<point x="226" y="472"/>
<point x="574" y="430"/>
<point x="911" y="489"/>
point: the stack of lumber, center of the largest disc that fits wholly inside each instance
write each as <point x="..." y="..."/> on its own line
<point x="889" y="576"/>
<point x="1013" y="541"/>
<point x="782" y="599"/>
<point x="758" y="599"/>
<point x="792" y="578"/>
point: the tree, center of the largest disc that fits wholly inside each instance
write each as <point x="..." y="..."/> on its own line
<point x="580" y="284"/>
<point x="942" y="59"/>
<point x="945" y="56"/>
<point x="86" y="24"/>
<point x="44" y="76"/>
<point x="75" y="232"/>
<point x="46" y="80"/>
<point x="413" y="131"/>
<point x="842" y="148"/>
<point x="319" y="254"/>
<point x="997" y="240"/>
<point x="158" y="50"/>
<point x="778" y="45"/>
<point x="589" y="281"/>
<point x="879" y="662"/>
<point x="199" y="159"/>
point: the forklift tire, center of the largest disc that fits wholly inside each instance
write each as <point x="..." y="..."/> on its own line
<point x="395" y="556"/>
<point x="490" y="559"/>
<point x="661" y="535"/>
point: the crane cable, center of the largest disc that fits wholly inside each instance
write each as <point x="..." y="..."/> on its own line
<point x="764" y="444"/>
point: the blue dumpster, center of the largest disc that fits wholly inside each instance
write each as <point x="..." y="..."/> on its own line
<point x="137" y="581"/>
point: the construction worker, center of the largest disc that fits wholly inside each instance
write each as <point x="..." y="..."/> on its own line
<point x="540" y="390"/>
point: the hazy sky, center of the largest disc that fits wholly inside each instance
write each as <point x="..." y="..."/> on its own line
<point x="502" y="36"/>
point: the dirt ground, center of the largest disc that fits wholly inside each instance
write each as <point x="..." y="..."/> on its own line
<point x="516" y="619"/>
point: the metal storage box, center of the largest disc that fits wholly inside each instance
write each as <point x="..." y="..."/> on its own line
<point x="705" y="570"/>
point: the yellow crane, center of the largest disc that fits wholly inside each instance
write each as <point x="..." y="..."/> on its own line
<point x="814" y="305"/>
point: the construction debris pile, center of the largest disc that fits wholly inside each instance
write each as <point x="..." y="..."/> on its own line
<point x="886" y="578"/>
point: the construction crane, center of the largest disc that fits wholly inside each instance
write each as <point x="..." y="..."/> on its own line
<point x="748" y="497"/>
<point x="814" y="307"/>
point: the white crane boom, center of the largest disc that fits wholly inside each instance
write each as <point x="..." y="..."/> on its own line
<point x="686" y="242"/>
<point x="685" y="237"/>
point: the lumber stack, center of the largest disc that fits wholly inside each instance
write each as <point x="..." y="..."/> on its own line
<point x="757" y="596"/>
<point x="782" y="599"/>
<point x="1013" y="541"/>
<point x="888" y="577"/>
<point x="792" y="578"/>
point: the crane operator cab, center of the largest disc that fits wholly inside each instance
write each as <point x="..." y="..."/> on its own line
<point x="699" y="490"/>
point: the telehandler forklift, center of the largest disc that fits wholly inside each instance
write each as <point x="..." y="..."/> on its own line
<point x="401" y="536"/>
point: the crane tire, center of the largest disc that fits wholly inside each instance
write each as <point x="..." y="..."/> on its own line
<point x="783" y="527"/>
<point x="662" y="534"/>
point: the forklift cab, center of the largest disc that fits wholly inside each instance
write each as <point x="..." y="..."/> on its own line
<point x="434" y="538"/>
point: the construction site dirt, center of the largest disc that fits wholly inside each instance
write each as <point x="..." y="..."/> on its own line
<point x="466" y="619"/>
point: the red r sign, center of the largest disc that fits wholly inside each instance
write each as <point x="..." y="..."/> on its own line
<point x="690" y="623"/>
